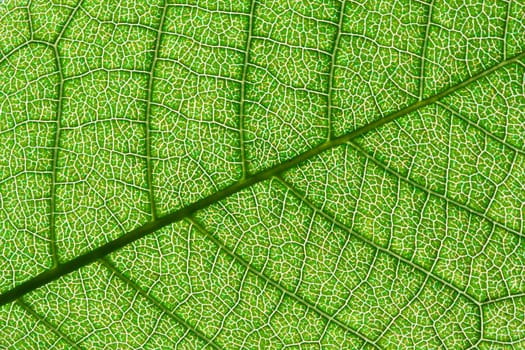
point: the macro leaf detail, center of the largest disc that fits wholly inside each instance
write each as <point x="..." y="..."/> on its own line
<point x="262" y="174"/>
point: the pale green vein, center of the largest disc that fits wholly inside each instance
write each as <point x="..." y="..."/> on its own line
<point x="413" y="183"/>
<point x="276" y="285"/>
<point x="503" y="298"/>
<point x="130" y="283"/>
<point x="47" y="324"/>
<point x="402" y="309"/>
<point x="375" y="245"/>
<point x="476" y="126"/>
<point x="97" y="253"/>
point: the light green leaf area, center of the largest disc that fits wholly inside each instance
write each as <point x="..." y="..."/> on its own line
<point x="262" y="174"/>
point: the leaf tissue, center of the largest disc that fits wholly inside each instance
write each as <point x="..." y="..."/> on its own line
<point x="262" y="174"/>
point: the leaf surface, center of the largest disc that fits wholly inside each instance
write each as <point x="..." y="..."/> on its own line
<point x="262" y="174"/>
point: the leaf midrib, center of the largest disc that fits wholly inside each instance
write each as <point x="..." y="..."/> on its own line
<point x="150" y="227"/>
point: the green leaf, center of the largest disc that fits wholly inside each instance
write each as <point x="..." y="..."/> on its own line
<point x="262" y="174"/>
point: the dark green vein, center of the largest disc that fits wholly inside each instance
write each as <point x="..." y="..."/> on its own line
<point x="424" y="51"/>
<point x="30" y="21"/>
<point x="278" y="286"/>
<point x="242" y="101"/>
<point x="56" y="143"/>
<point x="331" y="73"/>
<point x="48" y="325"/>
<point x="109" y="265"/>
<point x="149" y="99"/>
<point x="54" y="160"/>
<point x="109" y="247"/>
<point x="67" y="22"/>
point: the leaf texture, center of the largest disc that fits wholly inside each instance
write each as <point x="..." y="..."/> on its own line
<point x="262" y="174"/>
